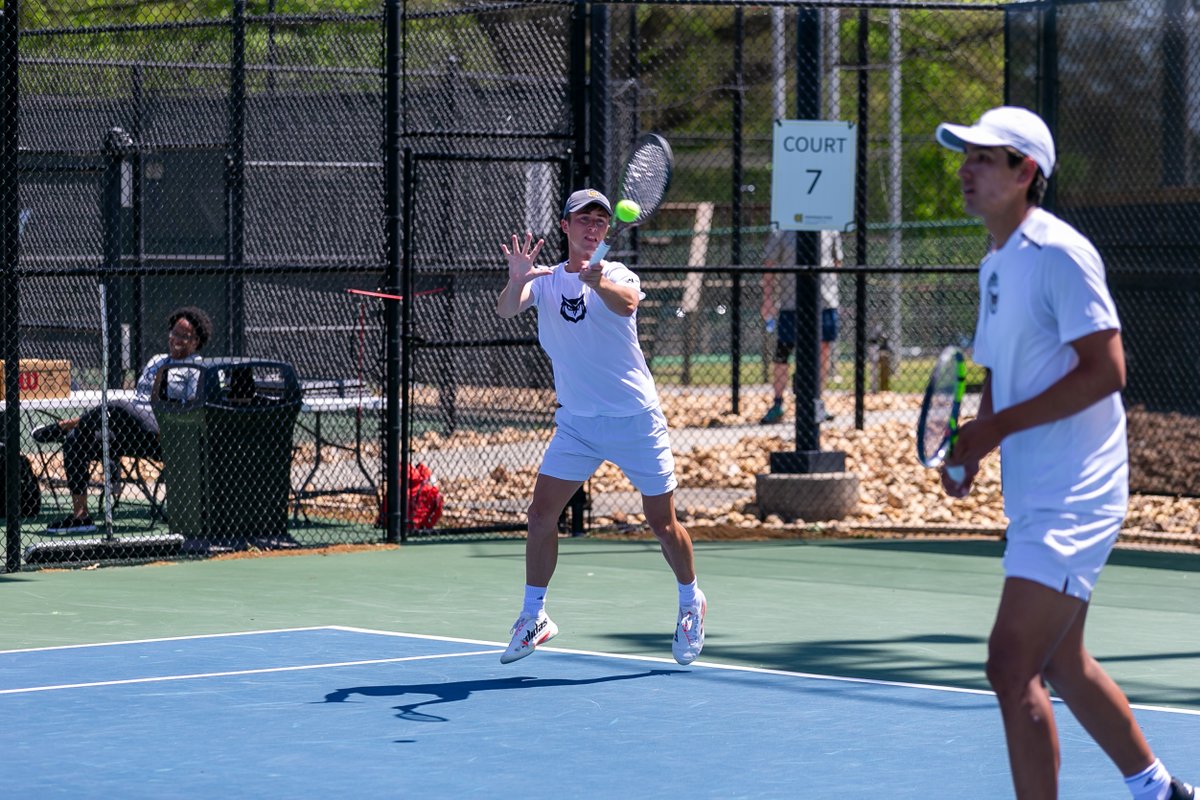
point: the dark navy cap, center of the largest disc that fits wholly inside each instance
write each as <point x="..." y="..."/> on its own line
<point x="584" y="198"/>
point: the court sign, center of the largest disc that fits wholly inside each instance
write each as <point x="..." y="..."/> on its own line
<point x="812" y="179"/>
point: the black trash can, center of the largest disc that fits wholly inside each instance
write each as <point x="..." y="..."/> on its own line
<point x="227" y="450"/>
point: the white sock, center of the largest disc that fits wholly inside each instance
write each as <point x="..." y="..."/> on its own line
<point x="1152" y="783"/>
<point x="687" y="594"/>
<point x="535" y="600"/>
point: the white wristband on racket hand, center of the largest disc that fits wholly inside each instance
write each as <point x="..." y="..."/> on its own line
<point x="956" y="473"/>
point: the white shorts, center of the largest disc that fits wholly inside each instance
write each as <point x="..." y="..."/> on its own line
<point x="639" y="445"/>
<point x="1062" y="551"/>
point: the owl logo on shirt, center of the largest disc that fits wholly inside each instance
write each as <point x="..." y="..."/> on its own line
<point x="573" y="309"/>
<point x="993" y="293"/>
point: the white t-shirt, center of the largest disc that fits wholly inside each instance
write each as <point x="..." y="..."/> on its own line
<point x="1044" y="289"/>
<point x="599" y="369"/>
<point x="181" y="383"/>
<point x="780" y="250"/>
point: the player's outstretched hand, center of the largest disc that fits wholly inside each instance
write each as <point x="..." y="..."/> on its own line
<point x="521" y="257"/>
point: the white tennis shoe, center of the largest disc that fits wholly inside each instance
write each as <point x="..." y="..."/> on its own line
<point x="689" y="630"/>
<point x="1181" y="791"/>
<point x="527" y="634"/>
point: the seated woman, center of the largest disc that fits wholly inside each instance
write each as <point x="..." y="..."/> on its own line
<point x="132" y="429"/>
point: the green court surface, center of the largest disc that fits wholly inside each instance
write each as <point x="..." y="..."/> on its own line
<point x="911" y="611"/>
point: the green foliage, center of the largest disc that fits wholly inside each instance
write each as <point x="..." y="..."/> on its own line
<point x="952" y="68"/>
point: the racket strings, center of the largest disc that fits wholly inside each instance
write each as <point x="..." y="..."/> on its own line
<point x="940" y="423"/>
<point x="646" y="178"/>
<point x="937" y="424"/>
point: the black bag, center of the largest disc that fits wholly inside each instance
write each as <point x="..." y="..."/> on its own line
<point x="31" y="493"/>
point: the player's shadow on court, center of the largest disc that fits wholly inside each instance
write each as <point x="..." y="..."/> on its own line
<point x="456" y="691"/>
<point x="917" y="658"/>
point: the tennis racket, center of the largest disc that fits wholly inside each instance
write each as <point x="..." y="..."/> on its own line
<point x="937" y="427"/>
<point x="645" y="180"/>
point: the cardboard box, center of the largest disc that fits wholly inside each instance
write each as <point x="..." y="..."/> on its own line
<point x="41" y="379"/>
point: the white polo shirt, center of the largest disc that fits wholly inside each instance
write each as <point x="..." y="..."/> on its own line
<point x="599" y="369"/>
<point x="1044" y="289"/>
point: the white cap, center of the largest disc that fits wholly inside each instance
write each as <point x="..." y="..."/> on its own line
<point x="1006" y="126"/>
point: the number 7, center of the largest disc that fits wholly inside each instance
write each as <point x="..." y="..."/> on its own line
<point x="817" y="176"/>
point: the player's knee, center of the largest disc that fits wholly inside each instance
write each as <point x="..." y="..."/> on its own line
<point x="1002" y="670"/>
<point x="661" y="527"/>
<point x="666" y="527"/>
<point x="541" y="519"/>
<point x="1009" y="677"/>
<point x="997" y="673"/>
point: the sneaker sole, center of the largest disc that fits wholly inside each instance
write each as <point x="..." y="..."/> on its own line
<point x="508" y="658"/>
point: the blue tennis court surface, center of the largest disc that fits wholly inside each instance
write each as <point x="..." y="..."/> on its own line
<point x="341" y="712"/>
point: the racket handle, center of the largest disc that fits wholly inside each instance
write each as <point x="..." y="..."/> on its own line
<point x="956" y="473"/>
<point x="601" y="252"/>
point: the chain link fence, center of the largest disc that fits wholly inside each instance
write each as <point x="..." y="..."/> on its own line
<point x="257" y="160"/>
<point x="224" y="159"/>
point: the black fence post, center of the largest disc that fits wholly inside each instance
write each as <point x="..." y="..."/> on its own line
<point x="447" y="375"/>
<point x="579" y="95"/>
<point x="396" y="164"/>
<point x="631" y="99"/>
<point x="806" y="379"/>
<point x="138" y="219"/>
<point x="235" y="185"/>
<point x="406" y="338"/>
<point x="117" y="147"/>
<point x="860" y="226"/>
<point x="9" y="286"/>
<point x="1048" y="85"/>
<point x="600" y="144"/>
<point x="737" y="179"/>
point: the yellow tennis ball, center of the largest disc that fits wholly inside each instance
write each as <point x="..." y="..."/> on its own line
<point x="628" y="210"/>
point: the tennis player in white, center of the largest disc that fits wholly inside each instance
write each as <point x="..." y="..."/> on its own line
<point x="1049" y="336"/>
<point x="608" y="411"/>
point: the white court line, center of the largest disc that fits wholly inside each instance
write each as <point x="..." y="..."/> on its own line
<point x="262" y="671"/>
<point x="563" y="650"/>
<point x="168" y="639"/>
